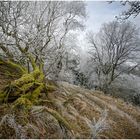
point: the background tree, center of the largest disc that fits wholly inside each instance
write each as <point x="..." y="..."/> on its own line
<point x="33" y="34"/>
<point x="111" y="48"/>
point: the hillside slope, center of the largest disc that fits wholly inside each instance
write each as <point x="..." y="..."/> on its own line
<point x="89" y="114"/>
<point x="116" y="118"/>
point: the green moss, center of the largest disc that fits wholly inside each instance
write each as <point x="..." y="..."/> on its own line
<point x="41" y="77"/>
<point x="27" y="87"/>
<point x="32" y="61"/>
<point x="16" y="66"/>
<point x="26" y="78"/>
<point x="38" y="75"/>
<point x="34" y="95"/>
<point x="28" y="95"/>
<point x="37" y="92"/>
<point x="22" y="103"/>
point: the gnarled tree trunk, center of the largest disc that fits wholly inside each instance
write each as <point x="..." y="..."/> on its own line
<point x="28" y="85"/>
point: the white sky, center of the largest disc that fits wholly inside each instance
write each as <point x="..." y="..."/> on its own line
<point x="100" y="12"/>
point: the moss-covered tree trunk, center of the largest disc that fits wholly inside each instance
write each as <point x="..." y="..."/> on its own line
<point x="28" y="87"/>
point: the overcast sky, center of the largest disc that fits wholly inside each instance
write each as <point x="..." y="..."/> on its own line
<point x="100" y="12"/>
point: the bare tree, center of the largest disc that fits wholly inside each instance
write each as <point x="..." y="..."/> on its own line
<point x="33" y="33"/>
<point x="111" y="48"/>
<point x="36" y="27"/>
